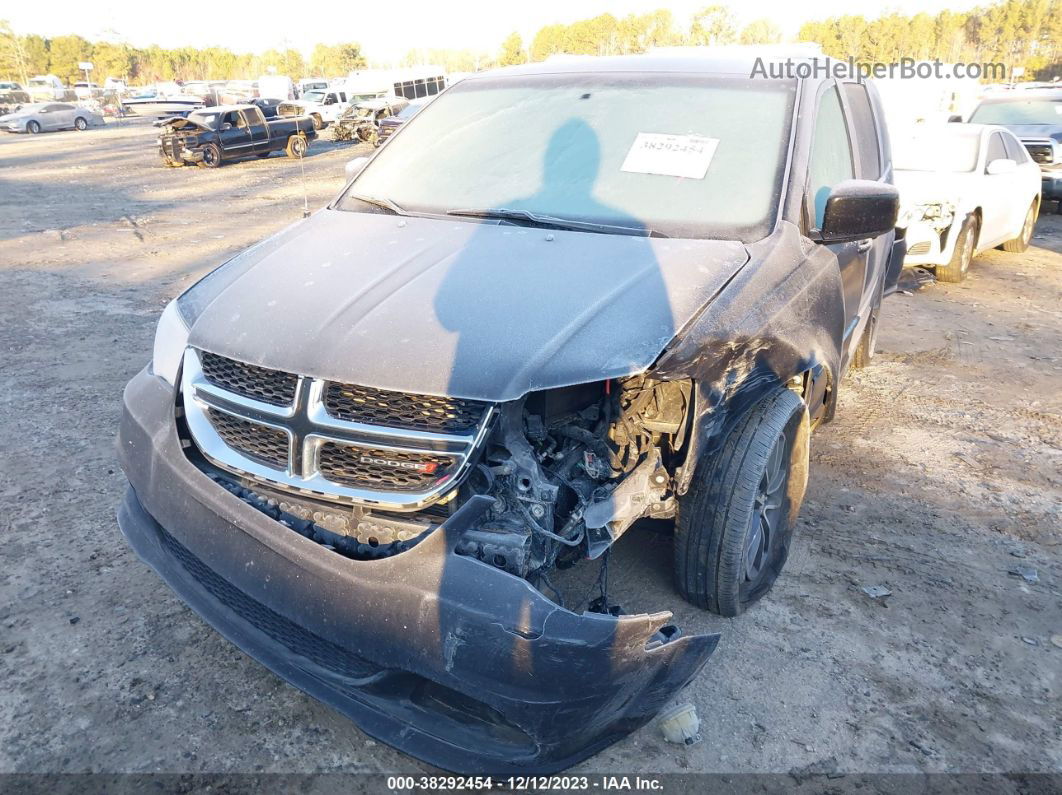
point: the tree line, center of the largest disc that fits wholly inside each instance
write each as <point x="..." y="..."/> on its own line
<point x="24" y="56"/>
<point x="1014" y="32"/>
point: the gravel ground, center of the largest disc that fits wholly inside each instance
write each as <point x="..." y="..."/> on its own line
<point x="939" y="477"/>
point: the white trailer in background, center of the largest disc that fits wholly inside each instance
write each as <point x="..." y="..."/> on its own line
<point x="276" y="87"/>
<point x="409" y="82"/>
<point x="930" y="100"/>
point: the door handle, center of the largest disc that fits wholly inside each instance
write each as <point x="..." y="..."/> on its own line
<point x="864" y="245"/>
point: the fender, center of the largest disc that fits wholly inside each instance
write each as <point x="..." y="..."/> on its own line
<point x="780" y="322"/>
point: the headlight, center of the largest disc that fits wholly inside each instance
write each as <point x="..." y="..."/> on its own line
<point x="171" y="338"/>
<point x="938" y="214"/>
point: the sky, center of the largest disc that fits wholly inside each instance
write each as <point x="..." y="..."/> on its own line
<point x="388" y="30"/>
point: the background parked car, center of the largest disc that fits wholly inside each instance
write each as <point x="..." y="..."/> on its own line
<point x="964" y="188"/>
<point x="268" y="105"/>
<point x="87" y="90"/>
<point x="48" y="116"/>
<point x="1036" y="118"/>
<point x="361" y="121"/>
<point x="12" y="96"/>
<point x="211" y="136"/>
<point x="388" y="126"/>
<point x="322" y="106"/>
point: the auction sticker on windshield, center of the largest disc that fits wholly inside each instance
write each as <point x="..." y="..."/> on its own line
<point x="670" y="155"/>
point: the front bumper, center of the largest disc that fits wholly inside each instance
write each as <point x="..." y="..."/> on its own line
<point x="1051" y="183"/>
<point x="446" y="658"/>
<point x="926" y="245"/>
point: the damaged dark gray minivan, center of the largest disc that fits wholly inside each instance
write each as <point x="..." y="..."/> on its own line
<point x="562" y="298"/>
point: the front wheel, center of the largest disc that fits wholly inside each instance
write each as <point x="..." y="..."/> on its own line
<point x="736" y="521"/>
<point x="211" y="156"/>
<point x="33" y="127"/>
<point x="318" y="122"/>
<point x="80" y="124"/>
<point x="296" y="147"/>
<point x="962" y="255"/>
<point x="1021" y="242"/>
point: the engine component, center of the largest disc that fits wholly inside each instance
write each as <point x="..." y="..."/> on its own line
<point x="571" y="469"/>
<point x="506" y="550"/>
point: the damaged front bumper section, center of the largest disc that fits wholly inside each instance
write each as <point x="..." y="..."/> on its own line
<point x="440" y="655"/>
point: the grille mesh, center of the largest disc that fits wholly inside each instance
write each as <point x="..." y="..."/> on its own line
<point x="350" y="466"/>
<point x="299" y="641"/>
<point x="259" y="383"/>
<point x="260" y="442"/>
<point x="401" y="409"/>
<point x="1041" y="153"/>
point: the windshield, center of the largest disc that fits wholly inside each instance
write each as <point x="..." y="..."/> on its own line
<point x="1025" y="111"/>
<point x="938" y="150"/>
<point x="661" y="152"/>
<point x="314" y="96"/>
<point x="206" y="118"/>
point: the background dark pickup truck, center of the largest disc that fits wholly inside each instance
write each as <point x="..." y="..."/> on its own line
<point x="211" y="136"/>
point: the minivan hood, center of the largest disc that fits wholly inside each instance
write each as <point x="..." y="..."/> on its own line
<point x="475" y="310"/>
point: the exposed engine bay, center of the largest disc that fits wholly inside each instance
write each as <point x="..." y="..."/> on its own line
<point x="569" y="470"/>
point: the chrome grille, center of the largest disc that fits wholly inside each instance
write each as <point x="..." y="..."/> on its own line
<point x="401" y="409"/>
<point x="391" y="450"/>
<point x="381" y="469"/>
<point x="1043" y="153"/>
<point x="274" y="387"/>
<point x="260" y="442"/>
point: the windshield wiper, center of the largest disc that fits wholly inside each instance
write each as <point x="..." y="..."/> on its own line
<point x="385" y="204"/>
<point x="509" y="214"/>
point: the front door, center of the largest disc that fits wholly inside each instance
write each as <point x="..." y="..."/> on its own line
<point x="254" y="121"/>
<point x="1000" y="204"/>
<point x="831" y="162"/>
<point x="235" y="135"/>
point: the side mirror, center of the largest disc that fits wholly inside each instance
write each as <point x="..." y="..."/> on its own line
<point x="226" y="126"/>
<point x="1001" y="166"/>
<point x="857" y="209"/>
<point x="955" y="119"/>
<point x="355" y="166"/>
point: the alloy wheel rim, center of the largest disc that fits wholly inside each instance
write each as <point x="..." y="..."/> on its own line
<point x="767" y="514"/>
<point x="1026" y="230"/>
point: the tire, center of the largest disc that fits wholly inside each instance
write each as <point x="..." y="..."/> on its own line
<point x="318" y="122"/>
<point x="211" y="156"/>
<point x="296" y="147"/>
<point x="80" y="124"/>
<point x="736" y="521"/>
<point x="963" y="253"/>
<point x="1021" y="242"/>
<point x="33" y="127"/>
<point x="864" y="352"/>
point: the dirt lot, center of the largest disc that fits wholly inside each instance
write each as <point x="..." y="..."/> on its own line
<point x="939" y="477"/>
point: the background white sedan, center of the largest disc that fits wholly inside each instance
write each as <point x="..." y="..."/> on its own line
<point x="964" y="188"/>
<point x="43" y="116"/>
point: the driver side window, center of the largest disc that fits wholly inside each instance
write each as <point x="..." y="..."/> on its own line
<point x="831" y="153"/>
